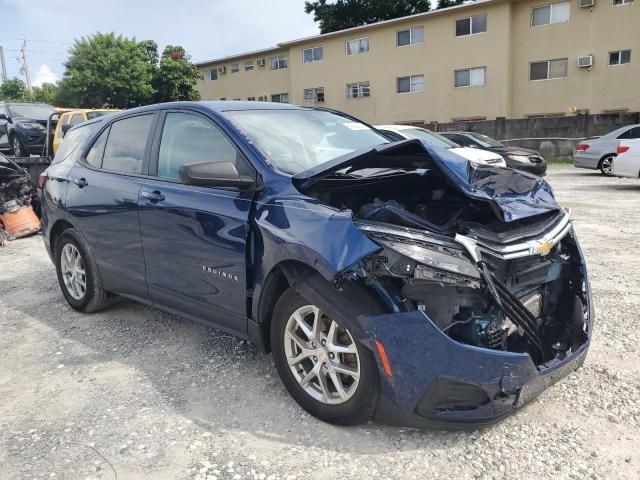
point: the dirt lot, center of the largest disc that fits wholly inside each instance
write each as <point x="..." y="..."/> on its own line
<point x="133" y="393"/>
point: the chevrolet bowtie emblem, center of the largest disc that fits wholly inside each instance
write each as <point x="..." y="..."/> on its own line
<point x="543" y="248"/>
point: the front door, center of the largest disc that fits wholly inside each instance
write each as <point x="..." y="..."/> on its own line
<point x="195" y="238"/>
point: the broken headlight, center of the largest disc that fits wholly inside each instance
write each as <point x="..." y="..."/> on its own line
<point x="441" y="254"/>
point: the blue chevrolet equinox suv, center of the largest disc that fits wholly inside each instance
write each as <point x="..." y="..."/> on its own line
<point x="390" y="280"/>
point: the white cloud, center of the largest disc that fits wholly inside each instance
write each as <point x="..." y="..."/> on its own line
<point x="44" y="75"/>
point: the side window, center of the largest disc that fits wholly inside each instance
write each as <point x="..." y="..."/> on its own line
<point x="3" y="111"/>
<point x="625" y="134"/>
<point x="125" y="147"/>
<point x="95" y="154"/>
<point x="188" y="138"/>
<point x="634" y="132"/>
<point x="71" y="142"/>
<point x="77" y="119"/>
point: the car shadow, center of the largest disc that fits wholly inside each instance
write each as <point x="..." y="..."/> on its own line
<point x="218" y="381"/>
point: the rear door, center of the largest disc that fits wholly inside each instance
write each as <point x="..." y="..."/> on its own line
<point x="195" y="238"/>
<point x="102" y="198"/>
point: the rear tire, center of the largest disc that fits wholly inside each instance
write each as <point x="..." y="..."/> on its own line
<point x="78" y="273"/>
<point x="606" y="165"/>
<point x="356" y="399"/>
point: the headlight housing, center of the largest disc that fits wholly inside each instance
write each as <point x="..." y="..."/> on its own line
<point x="439" y="254"/>
<point x="30" y="126"/>
<point x="520" y="158"/>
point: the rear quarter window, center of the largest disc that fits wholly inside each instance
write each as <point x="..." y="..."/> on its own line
<point x="72" y="140"/>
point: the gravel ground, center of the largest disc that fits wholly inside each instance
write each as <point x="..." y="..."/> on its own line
<point x="133" y="393"/>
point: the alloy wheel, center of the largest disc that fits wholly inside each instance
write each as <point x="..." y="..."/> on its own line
<point x="17" y="152"/>
<point x="73" y="271"/>
<point x="607" y="165"/>
<point x="322" y="356"/>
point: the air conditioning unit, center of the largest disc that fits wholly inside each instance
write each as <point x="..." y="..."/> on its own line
<point x="260" y="62"/>
<point x="586" y="3"/>
<point x="222" y="69"/>
<point x="585" y="61"/>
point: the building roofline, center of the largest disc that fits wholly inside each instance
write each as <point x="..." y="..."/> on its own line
<point x="368" y="26"/>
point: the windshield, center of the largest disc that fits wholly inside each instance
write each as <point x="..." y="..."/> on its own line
<point x="296" y="140"/>
<point x="31" y="110"/>
<point x="484" y="140"/>
<point x="429" y="137"/>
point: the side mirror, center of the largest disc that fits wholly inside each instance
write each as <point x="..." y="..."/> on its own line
<point x="3" y="116"/>
<point x="215" y="174"/>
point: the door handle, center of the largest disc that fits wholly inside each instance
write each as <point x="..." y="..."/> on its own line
<point x="81" y="182"/>
<point x="153" y="197"/>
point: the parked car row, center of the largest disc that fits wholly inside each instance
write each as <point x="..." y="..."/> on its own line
<point x="390" y="279"/>
<point x="600" y="153"/>
<point x="23" y="127"/>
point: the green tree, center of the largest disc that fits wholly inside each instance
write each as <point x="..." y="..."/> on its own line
<point x="353" y="13"/>
<point x="448" y="3"/>
<point x="46" y="93"/>
<point x="176" y="77"/>
<point x="13" y="89"/>
<point x="105" y="70"/>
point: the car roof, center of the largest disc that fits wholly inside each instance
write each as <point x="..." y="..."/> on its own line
<point x="217" y="106"/>
<point x="618" y="131"/>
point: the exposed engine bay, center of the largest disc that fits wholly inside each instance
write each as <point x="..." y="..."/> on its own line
<point x="515" y="286"/>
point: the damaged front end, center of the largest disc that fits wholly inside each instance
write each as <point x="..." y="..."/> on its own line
<point x="487" y="285"/>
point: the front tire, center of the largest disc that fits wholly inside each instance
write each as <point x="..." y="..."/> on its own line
<point x="328" y="373"/>
<point x="16" y="147"/>
<point x="78" y="273"/>
<point x="606" y="165"/>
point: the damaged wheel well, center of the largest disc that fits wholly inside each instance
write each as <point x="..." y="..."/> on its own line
<point x="277" y="282"/>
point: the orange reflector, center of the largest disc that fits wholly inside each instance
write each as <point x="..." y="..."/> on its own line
<point x="385" y="360"/>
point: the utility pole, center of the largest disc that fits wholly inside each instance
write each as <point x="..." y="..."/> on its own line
<point x="25" y="65"/>
<point x="3" y="65"/>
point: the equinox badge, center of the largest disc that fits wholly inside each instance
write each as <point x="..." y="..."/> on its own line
<point x="220" y="273"/>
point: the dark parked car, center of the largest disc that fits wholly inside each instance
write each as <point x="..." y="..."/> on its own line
<point x="516" y="157"/>
<point x="389" y="280"/>
<point x="23" y="128"/>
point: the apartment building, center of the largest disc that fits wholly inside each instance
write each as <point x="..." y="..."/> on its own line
<point x="480" y="60"/>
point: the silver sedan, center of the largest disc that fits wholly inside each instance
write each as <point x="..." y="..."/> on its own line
<point x="599" y="152"/>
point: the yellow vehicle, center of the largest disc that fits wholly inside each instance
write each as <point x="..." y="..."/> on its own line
<point x="71" y="118"/>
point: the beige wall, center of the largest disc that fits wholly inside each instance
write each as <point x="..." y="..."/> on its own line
<point x="594" y="31"/>
<point x="505" y="50"/>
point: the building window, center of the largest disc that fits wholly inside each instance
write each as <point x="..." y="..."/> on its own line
<point x="470" y="77"/>
<point x="620" y="58"/>
<point x="310" y="55"/>
<point x="251" y="99"/>
<point x="413" y="36"/>
<point x="471" y="25"/>
<point x="278" y="62"/>
<point x="235" y="68"/>
<point x="358" y="90"/>
<point x="358" y="46"/>
<point x="617" y="3"/>
<point x="280" y="98"/>
<point x="554" y="13"/>
<point x="411" y="84"/>
<point x="548" y="69"/>
<point x="211" y="74"/>
<point x="248" y="66"/>
<point x="314" y="95"/>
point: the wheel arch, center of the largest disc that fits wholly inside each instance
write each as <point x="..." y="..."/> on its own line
<point x="610" y="154"/>
<point x="57" y="230"/>
<point x="281" y="277"/>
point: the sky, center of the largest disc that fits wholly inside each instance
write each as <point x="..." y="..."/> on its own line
<point x="207" y="29"/>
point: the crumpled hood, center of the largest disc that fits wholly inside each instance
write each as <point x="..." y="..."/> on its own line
<point x="512" y="194"/>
